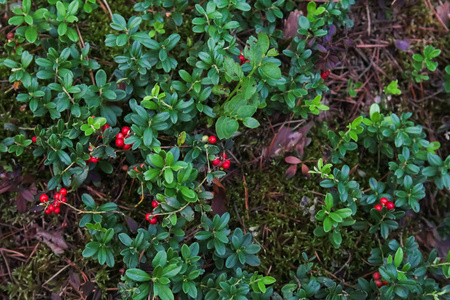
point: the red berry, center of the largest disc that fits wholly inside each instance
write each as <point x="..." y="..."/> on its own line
<point x="216" y="162"/>
<point x="34" y="139"/>
<point x="10" y="35"/>
<point x="120" y="143"/>
<point x="383" y="201"/>
<point x="378" y="283"/>
<point x="378" y="207"/>
<point x="324" y="74"/>
<point x="155" y="204"/>
<point x="63" y="192"/>
<point x="226" y="164"/>
<point x="51" y="207"/>
<point x="56" y="203"/>
<point x="376" y="275"/>
<point x="94" y="160"/>
<point x="153" y="220"/>
<point x="390" y="205"/>
<point x="223" y="155"/>
<point x="385" y="282"/>
<point x="120" y="136"/>
<point x="242" y="59"/>
<point x="63" y="199"/>
<point x="43" y="198"/>
<point x="125" y="130"/>
<point x="47" y="212"/>
<point x="106" y="126"/>
<point x="148" y="216"/>
<point x="57" y="196"/>
<point x="57" y="210"/>
<point x="212" y="139"/>
<point x="126" y="147"/>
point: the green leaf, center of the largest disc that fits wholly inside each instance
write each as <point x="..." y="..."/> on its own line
<point x="157" y="160"/>
<point x="138" y="275"/>
<point x="251" y="122"/>
<point x="304" y="22"/>
<point x="271" y="70"/>
<point x="31" y="34"/>
<point x="226" y="127"/>
<point x="327" y="224"/>
<point x="163" y="291"/>
<point x="398" y="257"/>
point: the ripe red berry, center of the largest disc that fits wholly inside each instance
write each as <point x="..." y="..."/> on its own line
<point x="324" y="74"/>
<point x="216" y="162"/>
<point x="226" y="164"/>
<point x="34" y="139"/>
<point x="56" y="203"/>
<point x="63" y="192"/>
<point x="155" y="204"/>
<point x="57" y="210"/>
<point x="153" y="220"/>
<point x="63" y="199"/>
<point x="120" y="143"/>
<point x="376" y="275"/>
<point x="385" y="282"/>
<point x="43" y="198"/>
<point x="212" y="139"/>
<point x="126" y="147"/>
<point x="223" y="155"/>
<point x="106" y="126"/>
<point x="10" y="35"/>
<point x="120" y="136"/>
<point x="378" y="283"/>
<point x="51" y="207"/>
<point x="383" y="201"/>
<point x="390" y="205"/>
<point x="125" y="130"/>
<point x="94" y="160"/>
<point x="47" y="211"/>
<point x="57" y="196"/>
<point x="242" y="59"/>
<point x="148" y="216"/>
<point x="378" y="207"/>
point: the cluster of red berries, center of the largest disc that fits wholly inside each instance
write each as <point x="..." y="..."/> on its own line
<point x="92" y="158"/>
<point x="242" y="59"/>
<point x="378" y="281"/>
<point x="324" y="74"/>
<point x="385" y="202"/>
<point x="152" y="218"/>
<point x="222" y="161"/>
<point x="121" y="136"/>
<point x="59" y="197"/>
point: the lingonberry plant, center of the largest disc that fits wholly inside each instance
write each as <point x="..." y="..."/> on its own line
<point x="186" y="79"/>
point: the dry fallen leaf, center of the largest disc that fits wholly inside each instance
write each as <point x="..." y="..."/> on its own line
<point x="219" y="202"/>
<point x="54" y="240"/>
